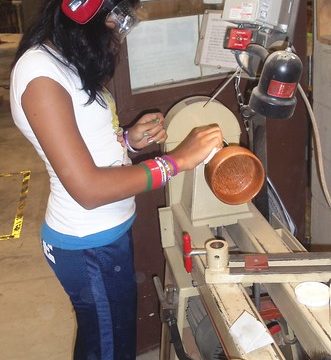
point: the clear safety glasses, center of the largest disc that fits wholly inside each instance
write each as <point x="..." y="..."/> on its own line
<point x="124" y="17"/>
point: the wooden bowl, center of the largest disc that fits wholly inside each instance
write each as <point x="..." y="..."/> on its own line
<point x="235" y="175"/>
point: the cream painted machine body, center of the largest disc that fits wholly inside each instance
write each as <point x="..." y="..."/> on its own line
<point x="190" y="188"/>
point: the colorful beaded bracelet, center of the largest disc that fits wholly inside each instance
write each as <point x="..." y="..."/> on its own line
<point x="158" y="171"/>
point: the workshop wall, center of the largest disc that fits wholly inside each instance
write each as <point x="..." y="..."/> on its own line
<point x="320" y="211"/>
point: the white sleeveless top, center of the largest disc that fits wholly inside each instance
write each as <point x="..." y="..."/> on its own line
<point x="97" y="126"/>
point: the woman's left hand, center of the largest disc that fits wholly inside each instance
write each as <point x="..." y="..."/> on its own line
<point x="147" y="130"/>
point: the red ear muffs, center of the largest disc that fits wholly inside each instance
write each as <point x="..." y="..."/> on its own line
<point x="81" y="11"/>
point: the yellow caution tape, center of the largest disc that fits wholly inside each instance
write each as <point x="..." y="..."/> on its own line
<point x="18" y="220"/>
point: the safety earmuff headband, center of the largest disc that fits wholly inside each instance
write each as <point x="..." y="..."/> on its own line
<point x="82" y="11"/>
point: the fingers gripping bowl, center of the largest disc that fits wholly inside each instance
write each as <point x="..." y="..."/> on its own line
<point x="235" y="175"/>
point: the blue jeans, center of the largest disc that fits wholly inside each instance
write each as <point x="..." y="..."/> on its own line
<point x="102" y="288"/>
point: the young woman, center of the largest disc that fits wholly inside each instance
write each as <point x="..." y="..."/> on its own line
<point x="60" y="102"/>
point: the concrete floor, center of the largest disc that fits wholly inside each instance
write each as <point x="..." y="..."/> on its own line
<point x="36" y="316"/>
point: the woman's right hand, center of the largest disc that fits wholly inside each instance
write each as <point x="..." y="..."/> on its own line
<point x="197" y="145"/>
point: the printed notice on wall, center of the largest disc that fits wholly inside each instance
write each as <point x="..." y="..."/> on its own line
<point x="210" y="50"/>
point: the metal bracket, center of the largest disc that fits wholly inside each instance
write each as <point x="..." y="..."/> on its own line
<point x="256" y="262"/>
<point x="224" y="268"/>
<point x="273" y="268"/>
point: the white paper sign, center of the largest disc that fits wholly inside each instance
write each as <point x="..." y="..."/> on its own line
<point x="212" y="51"/>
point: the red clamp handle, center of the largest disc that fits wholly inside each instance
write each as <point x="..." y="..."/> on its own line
<point x="187" y="248"/>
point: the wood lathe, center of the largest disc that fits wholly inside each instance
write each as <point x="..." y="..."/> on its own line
<point x="231" y="248"/>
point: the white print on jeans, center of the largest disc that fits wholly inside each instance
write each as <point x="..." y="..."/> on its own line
<point x="47" y="252"/>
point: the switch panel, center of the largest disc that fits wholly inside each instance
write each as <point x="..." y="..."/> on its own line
<point x="273" y="14"/>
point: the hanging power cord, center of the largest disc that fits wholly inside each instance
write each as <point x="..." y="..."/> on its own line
<point x="319" y="156"/>
<point x="167" y="314"/>
<point x="246" y="115"/>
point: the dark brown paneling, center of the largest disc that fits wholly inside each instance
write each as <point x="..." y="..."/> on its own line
<point x="287" y="142"/>
<point x="149" y="262"/>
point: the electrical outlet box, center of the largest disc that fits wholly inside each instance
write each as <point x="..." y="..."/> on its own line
<point x="272" y="14"/>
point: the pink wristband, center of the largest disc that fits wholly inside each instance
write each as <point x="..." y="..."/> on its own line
<point x="172" y="162"/>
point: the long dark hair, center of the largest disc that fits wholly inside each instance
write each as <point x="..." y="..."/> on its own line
<point x="92" y="48"/>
